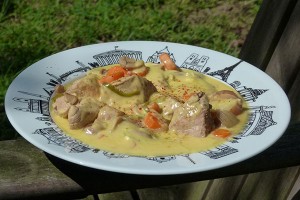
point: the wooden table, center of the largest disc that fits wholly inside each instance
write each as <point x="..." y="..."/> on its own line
<point x="273" y="45"/>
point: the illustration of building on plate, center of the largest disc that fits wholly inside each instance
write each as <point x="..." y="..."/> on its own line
<point x="196" y="62"/>
<point x="113" y="57"/>
<point x="56" y="136"/>
<point x="220" y="151"/>
<point x="154" y="58"/>
<point x="259" y="120"/>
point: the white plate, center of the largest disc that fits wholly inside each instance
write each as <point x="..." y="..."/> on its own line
<point x="27" y="106"/>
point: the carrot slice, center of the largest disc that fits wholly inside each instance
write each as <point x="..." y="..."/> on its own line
<point x="151" y="121"/>
<point x="223" y="133"/>
<point x="106" y="79"/>
<point x="113" y="74"/>
<point x="116" y="70"/>
<point x="168" y="63"/>
<point x="116" y="75"/>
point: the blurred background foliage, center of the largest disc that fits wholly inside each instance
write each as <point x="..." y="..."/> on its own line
<point x="33" y="29"/>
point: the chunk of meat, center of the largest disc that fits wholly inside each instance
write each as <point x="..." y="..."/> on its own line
<point x="109" y="118"/>
<point x="106" y="114"/>
<point x="169" y="106"/>
<point x="193" y="117"/>
<point x="61" y="106"/>
<point x="72" y="99"/>
<point x="83" y="113"/>
<point x="87" y="86"/>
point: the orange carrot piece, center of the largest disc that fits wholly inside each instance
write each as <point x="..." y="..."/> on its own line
<point x="151" y="121"/>
<point x="106" y="79"/>
<point x="117" y="70"/>
<point x="168" y="63"/>
<point x="223" y="133"/>
<point x="113" y="74"/>
<point x="116" y="75"/>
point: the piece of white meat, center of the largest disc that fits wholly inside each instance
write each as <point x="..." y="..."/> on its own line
<point x="193" y="117"/>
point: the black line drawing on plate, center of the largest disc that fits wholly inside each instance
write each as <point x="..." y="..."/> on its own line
<point x="61" y="78"/>
<point x="187" y="156"/>
<point x="259" y="120"/>
<point x="113" y="57"/>
<point x="114" y="155"/>
<point x="56" y="136"/>
<point x="196" y="63"/>
<point x="249" y="94"/>
<point x="224" y="73"/>
<point x="36" y="95"/>
<point x="154" y="58"/>
<point x="33" y="105"/>
<point x="161" y="159"/>
<point x="220" y="151"/>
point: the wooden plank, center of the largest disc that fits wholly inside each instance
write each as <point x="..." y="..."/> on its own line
<point x="284" y="64"/>
<point x="126" y="195"/>
<point x="194" y="191"/>
<point x="270" y="185"/>
<point x="189" y="191"/>
<point x="225" y="188"/>
<point x="266" y="31"/>
<point x="90" y="197"/>
<point x="294" y="97"/>
<point x="284" y="67"/>
<point x="26" y="172"/>
<point x="295" y="188"/>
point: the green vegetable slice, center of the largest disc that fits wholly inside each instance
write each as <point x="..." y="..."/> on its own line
<point x="119" y="92"/>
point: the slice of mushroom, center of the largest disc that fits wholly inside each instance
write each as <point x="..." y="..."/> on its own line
<point x="227" y="118"/>
<point x="130" y="63"/>
<point x="227" y="100"/>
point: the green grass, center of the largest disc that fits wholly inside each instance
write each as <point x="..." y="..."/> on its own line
<point x="33" y="29"/>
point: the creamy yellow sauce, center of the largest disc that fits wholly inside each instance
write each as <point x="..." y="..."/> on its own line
<point x="123" y="140"/>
